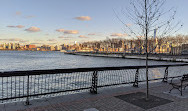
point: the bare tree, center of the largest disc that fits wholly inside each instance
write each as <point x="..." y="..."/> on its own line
<point x="145" y="16"/>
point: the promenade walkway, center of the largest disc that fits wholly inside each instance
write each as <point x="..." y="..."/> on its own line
<point x="125" y="98"/>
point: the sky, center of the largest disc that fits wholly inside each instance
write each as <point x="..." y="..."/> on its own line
<point x="66" y="21"/>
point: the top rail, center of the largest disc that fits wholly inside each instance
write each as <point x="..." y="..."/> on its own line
<point x="56" y="71"/>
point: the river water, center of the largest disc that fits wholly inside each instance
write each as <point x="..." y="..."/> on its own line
<point x="35" y="60"/>
<point x="47" y="83"/>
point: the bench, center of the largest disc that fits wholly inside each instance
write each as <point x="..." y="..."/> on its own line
<point x="179" y="84"/>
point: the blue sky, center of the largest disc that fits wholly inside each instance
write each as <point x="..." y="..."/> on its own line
<point x="36" y="21"/>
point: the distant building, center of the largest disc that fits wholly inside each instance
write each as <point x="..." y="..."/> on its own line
<point x="1" y="47"/>
<point x="30" y="46"/>
<point x="52" y="48"/>
<point x="4" y="46"/>
<point x="57" y="47"/>
<point x="13" y="46"/>
<point x="9" y="46"/>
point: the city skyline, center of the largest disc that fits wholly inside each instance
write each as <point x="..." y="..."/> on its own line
<point x="49" y="22"/>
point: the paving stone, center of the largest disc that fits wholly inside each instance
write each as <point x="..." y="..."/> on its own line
<point x="104" y="100"/>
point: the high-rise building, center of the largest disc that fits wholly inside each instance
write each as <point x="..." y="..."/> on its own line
<point x="13" y="46"/>
<point x="4" y="46"/>
<point x="57" y="47"/>
<point x="9" y="46"/>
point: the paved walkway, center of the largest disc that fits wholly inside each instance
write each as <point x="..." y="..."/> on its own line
<point x="105" y="100"/>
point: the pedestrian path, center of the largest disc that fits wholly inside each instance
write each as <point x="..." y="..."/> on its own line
<point x="111" y="99"/>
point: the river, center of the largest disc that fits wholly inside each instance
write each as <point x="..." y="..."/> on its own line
<point x="35" y="60"/>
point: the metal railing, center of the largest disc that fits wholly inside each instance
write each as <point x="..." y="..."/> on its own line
<point x="27" y="85"/>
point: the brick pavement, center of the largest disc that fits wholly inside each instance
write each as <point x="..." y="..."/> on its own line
<point x="104" y="101"/>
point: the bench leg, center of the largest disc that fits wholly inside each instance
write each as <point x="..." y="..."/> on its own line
<point x="171" y="90"/>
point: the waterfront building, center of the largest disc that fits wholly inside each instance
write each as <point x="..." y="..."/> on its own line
<point x="13" y="46"/>
<point x="9" y="46"/>
<point x="30" y="46"/>
<point x="57" y="48"/>
<point x="1" y="47"/>
<point x="52" y="48"/>
<point x="4" y="45"/>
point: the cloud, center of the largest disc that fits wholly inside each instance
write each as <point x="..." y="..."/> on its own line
<point x="118" y="35"/>
<point x="60" y="30"/>
<point x="82" y="36"/>
<point x="91" y="34"/>
<point x="11" y="26"/>
<point x="18" y="13"/>
<point x="67" y="31"/>
<point x="33" y="29"/>
<point x="71" y="32"/>
<point x="30" y="16"/>
<point x="66" y="39"/>
<point x="63" y="37"/>
<point x="35" y="43"/>
<point x="15" y="40"/>
<point x="83" y="18"/>
<point x="52" y="40"/>
<point x="23" y="41"/>
<point x="18" y="26"/>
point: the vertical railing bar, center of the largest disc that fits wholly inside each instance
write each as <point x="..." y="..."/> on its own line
<point x="48" y="83"/>
<point x="58" y="82"/>
<point x="45" y="83"/>
<point x="60" y="76"/>
<point x="23" y="86"/>
<point x="88" y="78"/>
<point x="55" y="84"/>
<point x="112" y="77"/>
<point x="19" y="87"/>
<point x="75" y="79"/>
<point x="61" y="81"/>
<point x="7" y="88"/>
<point x="34" y="83"/>
<point x="81" y="75"/>
<point x="65" y="80"/>
<point x="27" y="99"/>
<point x="11" y="88"/>
<point x="2" y="89"/>
<point x="118" y="76"/>
<point x="41" y="85"/>
<point x="15" y="87"/>
<point x="82" y="78"/>
<point x="123" y="73"/>
<point x="51" y="83"/>
<point x="31" y="85"/>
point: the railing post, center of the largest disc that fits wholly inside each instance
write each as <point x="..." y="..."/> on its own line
<point x="94" y="83"/>
<point x="165" y="79"/>
<point x="27" y="99"/>
<point x="136" y="79"/>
